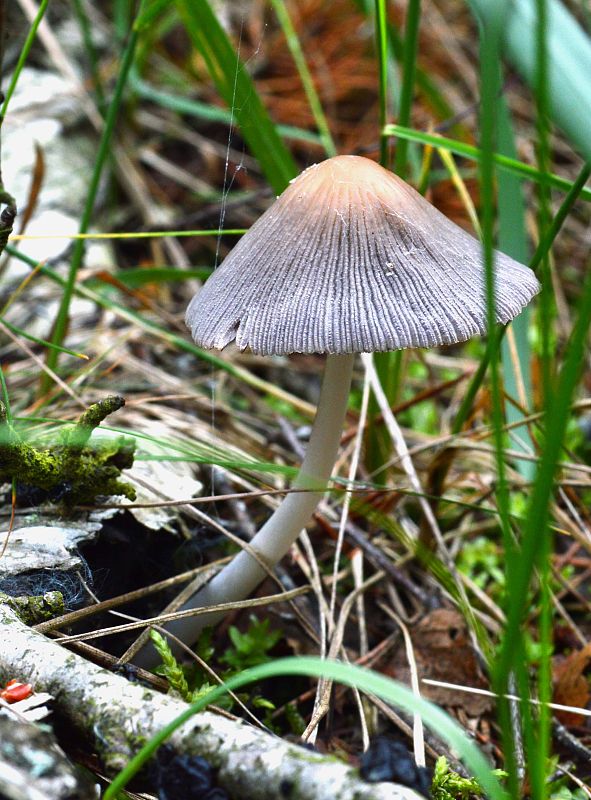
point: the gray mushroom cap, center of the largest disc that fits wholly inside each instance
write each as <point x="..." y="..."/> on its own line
<point x="351" y="259"/>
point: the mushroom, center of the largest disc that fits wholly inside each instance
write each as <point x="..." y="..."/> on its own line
<point x="349" y="259"/>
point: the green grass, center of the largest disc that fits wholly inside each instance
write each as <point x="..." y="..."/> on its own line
<point x="490" y="32"/>
<point x="305" y="76"/>
<point x="365" y="680"/>
<point x="504" y="162"/>
<point x="409" y="62"/>
<point x="512" y="240"/>
<point x="103" y="152"/>
<point x="23" y="56"/>
<point x="238" y="91"/>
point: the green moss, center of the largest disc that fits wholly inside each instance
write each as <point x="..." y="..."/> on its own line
<point x="449" y="785"/>
<point x="75" y="470"/>
<point x="35" y="608"/>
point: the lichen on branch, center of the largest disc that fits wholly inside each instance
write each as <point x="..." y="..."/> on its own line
<point x="73" y="471"/>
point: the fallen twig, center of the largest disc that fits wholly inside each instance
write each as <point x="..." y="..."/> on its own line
<point x="117" y="717"/>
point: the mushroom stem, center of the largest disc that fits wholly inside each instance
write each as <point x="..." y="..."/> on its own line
<point x="243" y="574"/>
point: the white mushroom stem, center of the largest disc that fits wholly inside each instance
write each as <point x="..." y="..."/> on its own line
<point x="243" y="574"/>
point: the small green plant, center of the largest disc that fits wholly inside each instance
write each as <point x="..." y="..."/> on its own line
<point x="559" y="784"/>
<point x="564" y="793"/>
<point x="171" y="669"/>
<point x="177" y="676"/>
<point x="449" y="785"/>
<point x="248" y="650"/>
<point x="251" y="648"/>
<point x="295" y="720"/>
<point x="481" y="560"/>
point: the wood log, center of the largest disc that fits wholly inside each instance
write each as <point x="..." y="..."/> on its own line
<point x="116" y="717"/>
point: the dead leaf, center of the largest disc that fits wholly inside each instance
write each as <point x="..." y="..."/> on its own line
<point x="443" y="652"/>
<point x="571" y="687"/>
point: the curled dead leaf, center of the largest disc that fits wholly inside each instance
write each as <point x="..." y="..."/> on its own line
<point x="571" y="687"/>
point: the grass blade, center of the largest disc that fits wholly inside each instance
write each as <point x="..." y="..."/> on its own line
<point x="512" y="239"/>
<point x="382" y="55"/>
<point x="61" y="322"/>
<point x="539" y="740"/>
<point x="21" y="332"/>
<point x="569" y="62"/>
<point x="238" y="91"/>
<point x="490" y="37"/>
<point x="194" y="108"/>
<point x="305" y="76"/>
<point x="543" y="155"/>
<point x="349" y="675"/>
<point x="426" y="85"/>
<point x="518" y="168"/>
<point x="409" y="61"/>
<point x="24" y="54"/>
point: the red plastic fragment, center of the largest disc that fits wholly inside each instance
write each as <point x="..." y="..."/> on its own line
<point x="15" y="691"/>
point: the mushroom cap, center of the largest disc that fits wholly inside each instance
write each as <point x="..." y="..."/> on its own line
<point x="351" y="259"/>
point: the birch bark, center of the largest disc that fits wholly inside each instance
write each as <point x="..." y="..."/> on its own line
<point x="117" y="717"/>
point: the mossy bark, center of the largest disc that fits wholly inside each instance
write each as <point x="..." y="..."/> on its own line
<point x="32" y="609"/>
<point x="73" y="471"/>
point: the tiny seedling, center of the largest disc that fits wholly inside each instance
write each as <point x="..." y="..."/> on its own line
<point x="251" y="648"/>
